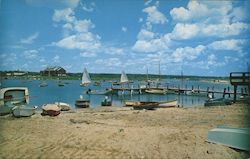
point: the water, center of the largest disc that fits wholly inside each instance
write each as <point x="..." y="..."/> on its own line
<point x="71" y="91"/>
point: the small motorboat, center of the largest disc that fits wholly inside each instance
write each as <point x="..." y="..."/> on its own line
<point x="82" y="103"/>
<point x="23" y="111"/>
<point x="51" y="110"/>
<point x="106" y="102"/>
<point x="63" y="106"/>
<point x="156" y="91"/>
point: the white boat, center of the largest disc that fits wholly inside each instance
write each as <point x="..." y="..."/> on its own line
<point x="43" y="84"/>
<point x="124" y="78"/>
<point x="63" y="106"/>
<point x="232" y="137"/>
<point x="167" y="104"/>
<point x="85" y="78"/>
<point x="23" y="111"/>
<point x="156" y="91"/>
<point x="151" y="105"/>
<point x="11" y="97"/>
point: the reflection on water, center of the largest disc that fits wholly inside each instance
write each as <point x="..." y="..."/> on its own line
<point x="72" y="90"/>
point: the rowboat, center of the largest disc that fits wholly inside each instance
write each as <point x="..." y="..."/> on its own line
<point x="23" y="111"/>
<point x="238" y="138"/>
<point x="106" y="102"/>
<point x="217" y="102"/>
<point x="63" y="106"/>
<point x="51" y="110"/>
<point x="151" y="105"/>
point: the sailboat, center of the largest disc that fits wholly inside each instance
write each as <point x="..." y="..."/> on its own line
<point x="85" y="78"/>
<point x="124" y="78"/>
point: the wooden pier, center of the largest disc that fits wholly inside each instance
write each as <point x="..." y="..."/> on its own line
<point x="240" y="79"/>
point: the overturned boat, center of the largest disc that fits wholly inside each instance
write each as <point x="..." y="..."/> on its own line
<point x="51" y="110"/>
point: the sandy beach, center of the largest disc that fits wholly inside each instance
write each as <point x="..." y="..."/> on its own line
<point x="118" y="132"/>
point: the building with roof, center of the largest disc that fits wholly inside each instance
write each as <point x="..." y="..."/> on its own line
<point x="53" y="71"/>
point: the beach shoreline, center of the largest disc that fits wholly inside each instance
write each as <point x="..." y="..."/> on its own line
<point x="118" y="132"/>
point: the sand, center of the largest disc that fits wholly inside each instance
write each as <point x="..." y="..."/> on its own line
<point x="115" y="132"/>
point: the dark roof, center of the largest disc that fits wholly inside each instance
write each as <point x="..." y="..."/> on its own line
<point x="55" y="68"/>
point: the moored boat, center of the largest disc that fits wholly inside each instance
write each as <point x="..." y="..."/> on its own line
<point x="43" y="84"/>
<point x="82" y="103"/>
<point x="217" y="102"/>
<point x="85" y="78"/>
<point x="51" y="110"/>
<point x="156" y="91"/>
<point x="106" y="102"/>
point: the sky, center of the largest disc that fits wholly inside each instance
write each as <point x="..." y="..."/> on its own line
<point x="206" y="38"/>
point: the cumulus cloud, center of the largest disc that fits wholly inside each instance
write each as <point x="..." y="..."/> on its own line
<point x="30" y="54"/>
<point x="54" y="3"/>
<point x="154" y="16"/>
<point x="188" y="53"/>
<point x="86" y="7"/>
<point x="30" y="39"/>
<point x="185" y="31"/>
<point x="66" y="15"/>
<point x="231" y="44"/>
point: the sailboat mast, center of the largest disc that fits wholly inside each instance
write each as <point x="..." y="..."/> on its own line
<point x="159" y="70"/>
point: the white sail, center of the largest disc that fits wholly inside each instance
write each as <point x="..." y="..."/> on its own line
<point x="85" y="77"/>
<point x="124" y="78"/>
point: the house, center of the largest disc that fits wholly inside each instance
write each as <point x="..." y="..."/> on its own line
<point x="53" y="71"/>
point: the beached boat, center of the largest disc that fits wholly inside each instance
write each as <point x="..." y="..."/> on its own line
<point x="156" y="91"/>
<point x="51" y="110"/>
<point x="23" y="111"/>
<point x="217" y="102"/>
<point x="11" y="97"/>
<point x="106" y="102"/>
<point x="63" y="106"/>
<point x="82" y="103"/>
<point x="151" y="105"/>
<point x="238" y="138"/>
<point x="85" y="78"/>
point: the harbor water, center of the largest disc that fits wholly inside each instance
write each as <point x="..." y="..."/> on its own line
<point x="71" y="91"/>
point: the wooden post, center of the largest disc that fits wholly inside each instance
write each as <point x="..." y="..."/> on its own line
<point x="198" y="89"/>
<point x="185" y="89"/>
<point x="213" y="92"/>
<point x="228" y="90"/>
<point x="235" y="92"/>
<point x="224" y="92"/>
<point x="179" y="92"/>
<point x="207" y="91"/>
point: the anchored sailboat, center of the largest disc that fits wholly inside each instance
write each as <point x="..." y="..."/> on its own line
<point x="85" y="78"/>
<point x="124" y="78"/>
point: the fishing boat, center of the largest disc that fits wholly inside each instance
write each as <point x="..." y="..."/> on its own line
<point x="82" y="103"/>
<point x="51" y="110"/>
<point x="11" y="97"/>
<point x="63" y="106"/>
<point x="85" y="78"/>
<point x="156" y="91"/>
<point x="106" y="102"/>
<point x="238" y="138"/>
<point x="217" y="102"/>
<point x="23" y="111"/>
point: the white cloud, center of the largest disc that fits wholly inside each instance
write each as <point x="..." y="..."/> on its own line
<point x="154" y="16"/>
<point x="113" y="51"/>
<point x="88" y="54"/>
<point x="83" y="25"/>
<point x="56" y="59"/>
<point x="188" y="53"/>
<point x="147" y="2"/>
<point x="30" y="39"/>
<point x="145" y="35"/>
<point x="83" y="41"/>
<point x="54" y="3"/>
<point x="185" y="31"/>
<point x="30" y="54"/>
<point x="66" y="15"/>
<point x="87" y="8"/>
<point x="124" y="29"/>
<point x="231" y="44"/>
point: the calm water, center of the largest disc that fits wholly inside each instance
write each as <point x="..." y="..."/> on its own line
<point x="71" y="91"/>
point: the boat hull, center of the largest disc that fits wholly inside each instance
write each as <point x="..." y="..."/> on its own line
<point x="23" y="111"/>
<point x="51" y="110"/>
<point x="238" y="138"/>
<point x="81" y="103"/>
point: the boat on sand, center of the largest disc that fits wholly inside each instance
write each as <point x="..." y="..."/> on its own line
<point x="51" y="110"/>
<point x="63" y="106"/>
<point x="82" y="103"/>
<point x="23" y="111"/>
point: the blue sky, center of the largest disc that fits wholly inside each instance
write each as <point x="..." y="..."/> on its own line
<point x="107" y="36"/>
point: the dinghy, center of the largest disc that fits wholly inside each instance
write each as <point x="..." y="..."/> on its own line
<point x="82" y="103"/>
<point x="106" y="102"/>
<point x="23" y="111"/>
<point x="51" y="110"/>
<point x="63" y="106"/>
<point x="238" y="138"/>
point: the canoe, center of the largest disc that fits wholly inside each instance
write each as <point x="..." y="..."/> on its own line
<point x="217" y="102"/>
<point x="23" y="111"/>
<point x="63" y="106"/>
<point x="238" y="138"/>
<point x="51" y="110"/>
